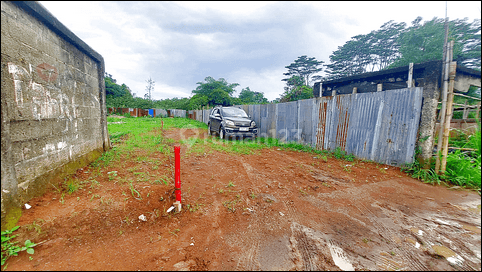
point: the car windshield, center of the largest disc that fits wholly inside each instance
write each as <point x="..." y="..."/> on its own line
<point x="234" y="112"/>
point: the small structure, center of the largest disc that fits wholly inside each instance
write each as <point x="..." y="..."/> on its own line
<point x="426" y="75"/>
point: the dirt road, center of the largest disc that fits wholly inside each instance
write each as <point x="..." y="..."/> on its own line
<point x="274" y="210"/>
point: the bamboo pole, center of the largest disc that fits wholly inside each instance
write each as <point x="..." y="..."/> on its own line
<point x="466" y="96"/>
<point x="443" y="109"/>
<point x="448" y="115"/>
<point x="466" y="111"/>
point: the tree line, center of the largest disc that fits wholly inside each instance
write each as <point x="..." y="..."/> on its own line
<point x="392" y="45"/>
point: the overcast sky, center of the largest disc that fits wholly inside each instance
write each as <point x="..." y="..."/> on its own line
<point x="178" y="44"/>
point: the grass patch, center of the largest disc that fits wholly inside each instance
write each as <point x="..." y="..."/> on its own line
<point x="463" y="167"/>
<point x="10" y="248"/>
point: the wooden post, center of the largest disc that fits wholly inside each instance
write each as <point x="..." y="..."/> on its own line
<point x="477" y="112"/>
<point x="379" y="87"/>
<point x="354" y="90"/>
<point x="466" y="111"/>
<point x="443" y="109"/>
<point x="448" y="115"/>
<point x="410" y="75"/>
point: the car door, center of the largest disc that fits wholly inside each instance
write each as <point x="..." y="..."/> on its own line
<point x="215" y="120"/>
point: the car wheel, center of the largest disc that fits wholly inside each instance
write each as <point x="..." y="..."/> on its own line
<point x="221" y="133"/>
<point x="209" y="129"/>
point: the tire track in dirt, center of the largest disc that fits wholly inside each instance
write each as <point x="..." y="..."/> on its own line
<point x="307" y="251"/>
<point x="412" y="262"/>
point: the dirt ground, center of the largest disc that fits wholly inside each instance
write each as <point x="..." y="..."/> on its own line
<point x="274" y="210"/>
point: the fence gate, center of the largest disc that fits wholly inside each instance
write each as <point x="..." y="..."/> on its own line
<point x="380" y="126"/>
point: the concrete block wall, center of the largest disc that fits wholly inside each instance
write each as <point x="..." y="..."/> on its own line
<point x="53" y="105"/>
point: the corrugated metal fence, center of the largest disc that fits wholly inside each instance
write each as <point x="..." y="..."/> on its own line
<point x="380" y="126"/>
<point x="151" y="112"/>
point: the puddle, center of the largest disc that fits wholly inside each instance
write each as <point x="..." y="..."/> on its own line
<point x="471" y="228"/>
<point x="417" y="231"/>
<point x="451" y="256"/>
<point x="339" y="258"/>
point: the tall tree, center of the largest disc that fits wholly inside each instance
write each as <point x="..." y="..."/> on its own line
<point x="298" y="93"/>
<point x="149" y="88"/>
<point x="366" y="53"/>
<point x="303" y="67"/>
<point x="395" y="45"/>
<point x="112" y="89"/>
<point x="250" y="97"/>
<point x="424" y="41"/>
<point x="217" y="92"/>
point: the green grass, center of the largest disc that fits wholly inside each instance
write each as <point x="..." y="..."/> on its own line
<point x="136" y="130"/>
<point x="463" y="168"/>
<point x="10" y="248"/>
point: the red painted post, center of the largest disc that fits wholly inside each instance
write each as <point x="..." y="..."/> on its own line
<point x="177" y="172"/>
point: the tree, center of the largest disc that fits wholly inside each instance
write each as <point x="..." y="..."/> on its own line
<point x="249" y="97"/>
<point x="366" y="53"/>
<point x="218" y="92"/>
<point x="149" y="88"/>
<point x="298" y="93"/>
<point x="424" y="41"/>
<point x="303" y="67"/>
<point x="293" y="82"/>
<point x="114" y="90"/>
<point x="395" y="45"/>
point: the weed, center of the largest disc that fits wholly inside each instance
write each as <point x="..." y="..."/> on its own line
<point x="62" y="198"/>
<point x="36" y="226"/>
<point x="383" y="170"/>
<point x="230" y="184"/>
<point x="10" y="248"/>
<point x="94" y="196"/>
<point x="193" y="208"/>
<point x="221" y="191"/>
<point x="127" y="220"/>
<point x="133" y="190"/>
<point x="252" y="195"/>
<point x="326" y="184"/>
<point x="230" y="205"/>
<point x="347" y="168"/>
<point x="303" y="192"/>
<point x="174" y="232"/>
<point x="349" y="157"/>
<point x="71" y="185"/>
<point x="338" y="153"/>
<point x="366" y="240"/>
<point x="112" y="175"/>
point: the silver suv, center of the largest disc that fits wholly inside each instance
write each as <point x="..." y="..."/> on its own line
<point x="231" y="122"/>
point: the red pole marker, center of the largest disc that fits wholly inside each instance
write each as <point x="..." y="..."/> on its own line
<point x="177" y="172"/>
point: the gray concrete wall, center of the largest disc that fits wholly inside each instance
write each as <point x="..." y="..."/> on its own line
<point x="53" y="105"/>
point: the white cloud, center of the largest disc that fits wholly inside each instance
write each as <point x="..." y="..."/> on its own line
<point x="180" y="43"/>
<point x="267" y="81"/>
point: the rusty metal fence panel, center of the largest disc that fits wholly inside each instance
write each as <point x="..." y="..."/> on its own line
<point x="379" y="126"/>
